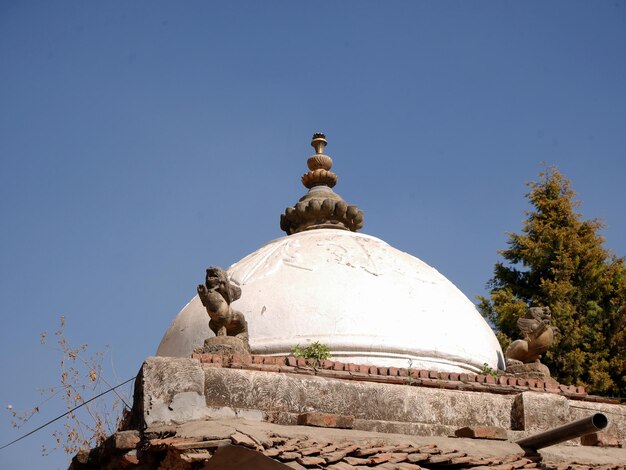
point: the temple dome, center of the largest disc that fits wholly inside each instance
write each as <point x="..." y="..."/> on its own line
<point x="367" y="301"/>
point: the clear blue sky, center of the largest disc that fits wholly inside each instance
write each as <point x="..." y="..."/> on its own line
<point x="142" y="141"/>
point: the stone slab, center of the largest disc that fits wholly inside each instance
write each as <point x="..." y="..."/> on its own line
<point x="534" y="411"/>
<point x="172" y="391"/>
<point x="293" y="393"/>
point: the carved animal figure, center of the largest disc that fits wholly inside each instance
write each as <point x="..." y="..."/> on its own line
<point x="216" y="294"/>
<point x="538" y="336"/>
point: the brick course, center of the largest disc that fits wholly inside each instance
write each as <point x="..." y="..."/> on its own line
<point x="502" y="384"/>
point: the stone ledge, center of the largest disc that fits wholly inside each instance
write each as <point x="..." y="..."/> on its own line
<point x="175" y="390"/>
<point x="502" y="384"/>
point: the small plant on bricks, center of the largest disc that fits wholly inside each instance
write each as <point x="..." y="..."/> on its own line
<point x="316" y="351"/>
<point x="409" y="371"/>
<point x="486" y="370"/>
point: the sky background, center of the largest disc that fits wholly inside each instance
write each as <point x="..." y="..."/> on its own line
<point x="143" y="141"/>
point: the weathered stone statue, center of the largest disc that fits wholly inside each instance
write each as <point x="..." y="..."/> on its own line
<point x="522" y="355"/>
<point x="538" y="336"/>
<point x="229" y="325"/>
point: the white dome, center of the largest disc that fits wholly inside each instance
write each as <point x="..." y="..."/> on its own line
<point x="367" y="301"/>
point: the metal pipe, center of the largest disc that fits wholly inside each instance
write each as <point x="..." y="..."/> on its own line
<point x="566" y="432"/>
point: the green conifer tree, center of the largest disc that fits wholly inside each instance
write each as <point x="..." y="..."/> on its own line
<point x="559" y="261"/>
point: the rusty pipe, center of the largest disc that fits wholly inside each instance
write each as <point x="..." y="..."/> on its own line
<point x="566" y="432"/>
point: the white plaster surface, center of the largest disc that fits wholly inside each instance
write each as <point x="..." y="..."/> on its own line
<point x="369" y="302"/>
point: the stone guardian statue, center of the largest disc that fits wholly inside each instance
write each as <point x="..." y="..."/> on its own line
<point x="523" y="355"/>
<point x="229" y="325"/>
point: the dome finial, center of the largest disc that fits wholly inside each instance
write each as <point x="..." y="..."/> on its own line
<point x="319" y="142"/>
<point x="319" y="164"/>
<point x="320" y="207"/>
